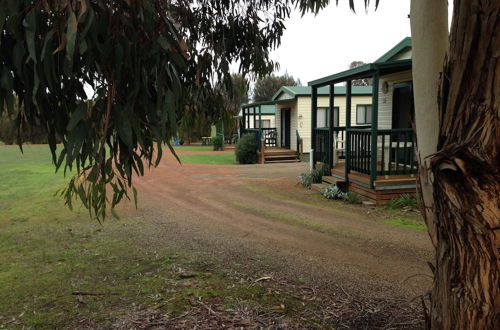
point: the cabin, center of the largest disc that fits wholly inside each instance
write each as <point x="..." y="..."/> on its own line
<point x="376" y="160"/>
<point x="290" y="138"/>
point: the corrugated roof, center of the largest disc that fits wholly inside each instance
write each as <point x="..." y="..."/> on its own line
<point x="295" y="91"/>
<point x="266" y="110"/>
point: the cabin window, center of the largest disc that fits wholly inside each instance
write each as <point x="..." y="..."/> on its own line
<point x="363" y="114"/>
<point x="323" y="117"/>
<point x="265" y="123"/>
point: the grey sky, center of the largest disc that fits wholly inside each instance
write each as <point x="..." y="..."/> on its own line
<point x="316" y="46"/>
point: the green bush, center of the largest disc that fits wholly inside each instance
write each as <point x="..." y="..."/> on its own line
<point x="218" y="143"/>
<point x="404" y="201"/>
<point x="307" y="179"/>
<point x="353" y="197"/>
<point x="246" y="149"/>
<point x="333" y="192"/>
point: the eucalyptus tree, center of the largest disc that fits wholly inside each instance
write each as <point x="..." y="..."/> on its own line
<point x="141" y="62"/>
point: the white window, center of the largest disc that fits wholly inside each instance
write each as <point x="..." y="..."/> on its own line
<point x="323" y="117"/>
<point x="265" y="123"/>
<point x="363" y="114"/>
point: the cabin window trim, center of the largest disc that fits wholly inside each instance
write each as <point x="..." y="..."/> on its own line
<point x="266" y="122"/>
<point x="363" y="116"/>
<point x="325" y="113"/>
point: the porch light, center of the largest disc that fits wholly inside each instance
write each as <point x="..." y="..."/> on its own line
<point x="385" y="87"/>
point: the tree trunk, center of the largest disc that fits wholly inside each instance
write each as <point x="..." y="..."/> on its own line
<point x="464" y="173"/>
<point x="429" y="31"/>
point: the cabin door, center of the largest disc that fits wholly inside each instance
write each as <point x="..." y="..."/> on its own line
<point x="403" y="114"/>
<point x="285" y="128"/>
<point x="403" y="110"/>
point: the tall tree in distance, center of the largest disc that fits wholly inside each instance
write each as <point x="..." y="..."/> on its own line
<point x="266" y="87"/>
<point x="360" y="82"/>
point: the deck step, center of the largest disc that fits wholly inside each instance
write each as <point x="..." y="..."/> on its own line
<point x="280" y="156"/>
<point x="332" y="179"/>
<point x="319" y="187"/>
<point x="280" y="153"/>
<point x="282" y="161"/>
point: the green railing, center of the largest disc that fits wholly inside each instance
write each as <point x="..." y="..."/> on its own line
<point x="322" y="148"/>
<point x="395" y="152"/>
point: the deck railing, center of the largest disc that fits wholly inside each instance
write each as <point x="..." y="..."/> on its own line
<point x="359" y="150"/>
<point x="322" y="143"/>
<point x="395" y="151"/>
<point x="268" y="134"/>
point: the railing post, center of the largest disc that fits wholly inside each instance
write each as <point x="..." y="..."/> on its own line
<point x="373" y="153"/>
<point x="347" y="138"/>
<point x="330" y="124"/>
<point x="314" y="115"/>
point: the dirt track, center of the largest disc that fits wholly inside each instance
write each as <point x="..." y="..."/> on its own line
<point x="257" y="214"/>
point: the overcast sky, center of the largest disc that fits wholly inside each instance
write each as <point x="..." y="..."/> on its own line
<point x="316" y="46"/>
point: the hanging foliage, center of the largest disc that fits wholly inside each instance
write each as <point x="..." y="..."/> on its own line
<point x="110" y="78"/>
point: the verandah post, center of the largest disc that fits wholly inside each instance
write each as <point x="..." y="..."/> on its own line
<point x="330" y="124"/>
<point x="373" y="153"/>
<point x="314" y="115"/>
<point x="347" y="142"/>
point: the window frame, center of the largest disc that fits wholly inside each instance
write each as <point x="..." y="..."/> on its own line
<point x="368" y="121"/>
<point x="327" y="119"/>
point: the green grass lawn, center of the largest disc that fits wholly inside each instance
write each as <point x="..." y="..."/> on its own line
<point x="210" y="159"/>
<point x="47" y="253"/>
<point x="194" y="148"/>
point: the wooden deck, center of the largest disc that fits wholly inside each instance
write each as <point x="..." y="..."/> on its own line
<point x="386" y="187"/>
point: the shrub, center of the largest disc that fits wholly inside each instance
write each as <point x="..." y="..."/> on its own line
<point x="333" y="192"/>
<point x="218" y="143"/>
<point x="404" y="201"/>
<point x="306" y="179"/>
<point x="246" y="149"/>
<point x="352" y="197"/>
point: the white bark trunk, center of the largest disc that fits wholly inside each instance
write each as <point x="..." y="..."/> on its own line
<point x="429" y="30"/>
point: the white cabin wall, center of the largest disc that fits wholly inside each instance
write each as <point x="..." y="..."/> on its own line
<point x="385" y="99"/>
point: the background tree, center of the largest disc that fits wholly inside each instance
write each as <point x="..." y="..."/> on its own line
<point x="234" y="98"/>
<point x="360" y="82"/>
<point x="266" y="87"/>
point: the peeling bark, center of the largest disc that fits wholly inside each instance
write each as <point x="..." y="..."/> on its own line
<point x="466" y="177"/>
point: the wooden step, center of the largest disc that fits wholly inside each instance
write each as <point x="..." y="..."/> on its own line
<point x="280" y="153"/>
<point x="279" y="156"/>
<point x="282" y="161"/>
<point x="318" y="187"/>
<point x="332" y="179"/>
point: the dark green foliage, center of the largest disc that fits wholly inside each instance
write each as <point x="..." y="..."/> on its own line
<point x="218" y="143"/>
<point x="405" y="200"/>
<point x="145" y="62"/>
<point x="353" y="197"/>
<point x="315" y="176"/>
<point x="265" y="88"/>
<point x="246" y="149"/>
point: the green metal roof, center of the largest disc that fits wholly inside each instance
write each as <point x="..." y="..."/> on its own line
<point x="401" y="46"/>
<point x="384" y="65"/>
<point x="295" y="91"/>
<point x="266" y="109"/>
<point x="364" y="71"/>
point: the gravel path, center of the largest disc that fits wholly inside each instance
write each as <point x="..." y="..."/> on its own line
<point x="260" y="213"/>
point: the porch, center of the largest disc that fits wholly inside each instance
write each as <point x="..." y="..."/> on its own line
<point x="270" y="151"/>
<point x="376" y="161"/>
